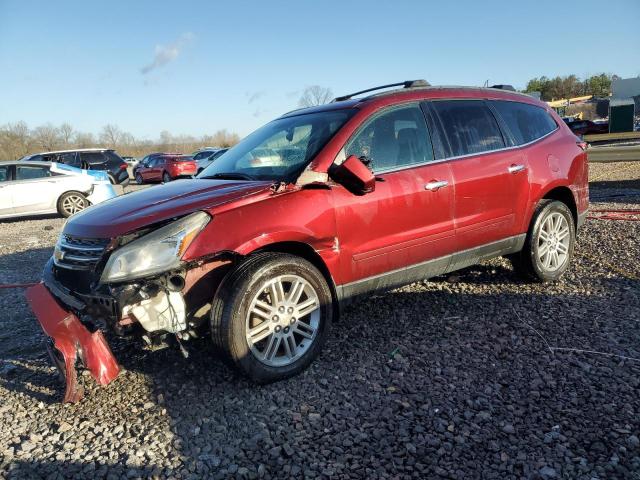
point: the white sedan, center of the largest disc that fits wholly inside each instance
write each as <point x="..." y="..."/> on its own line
<point x="38" y="188"/>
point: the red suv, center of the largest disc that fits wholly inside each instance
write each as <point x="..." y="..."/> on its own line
<point x="319" y="206"/>
<point x="164" y="167"/>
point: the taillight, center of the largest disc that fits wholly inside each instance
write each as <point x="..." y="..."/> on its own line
<point x="583" y="145"/>
<point x="123" y="166"/>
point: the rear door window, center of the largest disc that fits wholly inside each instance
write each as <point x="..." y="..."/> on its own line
<point x="394" y="139"/>
<point x="526" y="122"/>
<point x="70" y="159"/>
<point x="31" y="172"/>
<point x="469" y="126"/>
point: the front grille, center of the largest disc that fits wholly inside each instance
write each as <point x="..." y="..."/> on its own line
<point x="76" y="253"/>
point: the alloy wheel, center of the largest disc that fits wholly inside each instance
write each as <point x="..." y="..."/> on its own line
<point x="553" y="242"/>
<point x="283" y="320"/>
<point x="73" y="204"/>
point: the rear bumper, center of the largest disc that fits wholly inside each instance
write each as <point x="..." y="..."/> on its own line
<point x="73" y="341"/>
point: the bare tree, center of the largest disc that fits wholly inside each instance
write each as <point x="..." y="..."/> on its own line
<point x="15" y="140"/>
<point x="111" y="135"/>
<point x="47" y="136"/>
<point x="66" y="134"/>
<point x="84" y="140"/>
<point x="222" y="138"/>
<point x="315" y="95"/>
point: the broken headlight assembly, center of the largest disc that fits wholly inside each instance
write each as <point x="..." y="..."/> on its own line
<point x="156" y="252"/>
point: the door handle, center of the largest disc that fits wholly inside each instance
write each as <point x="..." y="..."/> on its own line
<point x="435" y="185"/>
<point x="516" y="168"/>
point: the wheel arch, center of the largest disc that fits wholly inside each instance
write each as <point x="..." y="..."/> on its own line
<point x="559" y="192"/>
<point x="306" y="251"/>
<point x="565" y="195"/>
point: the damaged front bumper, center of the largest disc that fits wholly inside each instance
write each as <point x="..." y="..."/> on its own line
<point x="72" y="341"/>
<point x="153" y="309"/>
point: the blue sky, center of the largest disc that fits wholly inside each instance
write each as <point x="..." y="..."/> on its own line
<point x="195" y="67"/>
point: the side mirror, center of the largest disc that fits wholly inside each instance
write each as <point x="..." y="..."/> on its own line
<point x="354" y="175"/>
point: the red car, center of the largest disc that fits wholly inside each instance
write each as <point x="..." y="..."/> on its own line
<point x="317" y="207"/>
<point x="164" y="167"/>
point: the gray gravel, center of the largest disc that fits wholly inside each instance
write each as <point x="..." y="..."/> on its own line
<point x="458" y="377"/>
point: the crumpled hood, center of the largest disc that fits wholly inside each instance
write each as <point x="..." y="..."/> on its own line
<point x="132" y="211"/>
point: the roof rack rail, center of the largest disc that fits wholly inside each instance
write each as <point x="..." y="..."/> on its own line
<point x="504" y="87"/>
<point x="405" y="84"/>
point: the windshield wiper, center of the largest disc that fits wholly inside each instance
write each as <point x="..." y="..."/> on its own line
<point x="230" y="176"/>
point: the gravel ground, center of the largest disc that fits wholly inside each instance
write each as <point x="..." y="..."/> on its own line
<point x="473" y="375"/>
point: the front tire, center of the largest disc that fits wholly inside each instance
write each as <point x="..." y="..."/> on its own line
<point x="70" y="203"/>
<point x="271" y="315"/>
<point x="549" y="245"/>
<point x="139" y="179"/>
<point x="166" y="178"/>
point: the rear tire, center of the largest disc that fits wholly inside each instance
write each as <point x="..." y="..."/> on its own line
<point x="271" y="315"/>
<point x="549" y="245"/>
<point x="166" y="178"/>
<point x="71" y="203"/>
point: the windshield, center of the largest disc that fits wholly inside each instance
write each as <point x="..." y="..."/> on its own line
<point x="281" y="149"/>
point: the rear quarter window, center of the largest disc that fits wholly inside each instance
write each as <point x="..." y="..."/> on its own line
<point x="114" y="158"/>
<point x="92" y="158"/>
<point x="525" y="122"/>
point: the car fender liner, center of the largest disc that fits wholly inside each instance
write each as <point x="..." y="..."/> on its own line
<point x="74" y="341"/>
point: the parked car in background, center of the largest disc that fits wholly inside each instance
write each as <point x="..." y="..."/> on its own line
<point x="204" y="162"/>
<point x="164" y="167"/>
<point x="587" y="127"/>
<point x="317" y="207"/>
<point x="203" y="153"/>
<point x="38" y="188"/>
<point x="131" y="161"/>
<point x="104" y="159"/>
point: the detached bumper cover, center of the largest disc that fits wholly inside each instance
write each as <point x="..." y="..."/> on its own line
<point x="73" y="341"/>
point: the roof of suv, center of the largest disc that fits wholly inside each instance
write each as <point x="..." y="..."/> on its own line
<point x="76" y="150"/>
<point x="416" y="93"/>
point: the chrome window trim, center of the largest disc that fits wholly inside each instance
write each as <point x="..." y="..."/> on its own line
<point x="463" y="157"/>
<point x="340" y="157"/>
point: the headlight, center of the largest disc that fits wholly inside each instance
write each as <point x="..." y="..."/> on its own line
<point x="155" y="252"/>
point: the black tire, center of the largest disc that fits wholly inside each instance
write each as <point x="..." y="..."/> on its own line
<point x="166" y="178"/>
<point x="229" y="313"/>
<point x="139" y="179"/>
<point x="72" y="202"/>
<point x="112" y="179"/>
<point x="527" y="262"/>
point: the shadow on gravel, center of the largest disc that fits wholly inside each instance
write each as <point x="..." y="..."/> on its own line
<point x="622" y="184"/>
<point x="76" y="470"/>
<point x="30" y="217"/>
<point x="615" y="191"/>
<point x="417" y="381"/>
